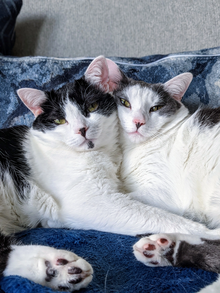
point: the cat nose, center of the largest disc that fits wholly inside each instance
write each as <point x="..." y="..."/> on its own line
<point x="138" y="122"/>
<point x="83" y="131"/>
<point x="138" y="125"/>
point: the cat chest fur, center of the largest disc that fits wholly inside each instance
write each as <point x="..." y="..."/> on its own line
<point x="181" y="168"/>
<point x="66" y="171"/>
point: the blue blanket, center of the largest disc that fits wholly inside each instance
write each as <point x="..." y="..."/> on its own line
<point x="116" y="269"/>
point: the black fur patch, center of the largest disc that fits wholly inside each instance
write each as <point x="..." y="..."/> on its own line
<point x="169" y="253"/>
<point x="208" y="117"/>
<point x="5" y="250"/>
<point x="50" y="272"/>
<point x="170" y="105"/>
<point x="204" y="256"/>
<point x="82" y="94"/>
<point x="12" y="158"/>
<point x="90" y="145"/>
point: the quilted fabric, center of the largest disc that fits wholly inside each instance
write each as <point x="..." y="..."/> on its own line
<point x="116" y="269"/>
<point x="9" y="10"/>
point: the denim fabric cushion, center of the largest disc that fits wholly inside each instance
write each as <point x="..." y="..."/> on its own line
<point x="116" y="269"/>
<point x="9" y="10"/>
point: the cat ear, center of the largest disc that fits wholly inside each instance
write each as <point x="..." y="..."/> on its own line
<point x="178" y="85"/>
<point x="104" y="73"/>
<point x="32" y="99"/>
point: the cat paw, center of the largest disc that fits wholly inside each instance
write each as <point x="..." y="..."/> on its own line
<point x="156" y="250"/>
<point x="50" y="267"/>
<point x="68" y="273"/>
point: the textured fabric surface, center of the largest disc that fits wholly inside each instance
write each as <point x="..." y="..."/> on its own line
<point x="116" y="28"/>
<point x="116" y="269"/>
<point x="9" y="10"/>
<point x="47" y="73"/>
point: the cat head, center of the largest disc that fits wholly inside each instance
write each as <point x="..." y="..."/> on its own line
<point x="146" y="110"/>
<point x="81" y="114"/>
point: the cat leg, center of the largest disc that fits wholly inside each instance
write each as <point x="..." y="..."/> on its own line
<point x="179" y="250"/>
<point x="57" y="269"/>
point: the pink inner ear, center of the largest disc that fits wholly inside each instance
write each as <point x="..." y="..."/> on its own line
<point x="114" y="75"/>
<point x="32" y="99"/>
<point x="104" y="73"/>
<point x="97" y="72"/>
<point x="178" y="85"/>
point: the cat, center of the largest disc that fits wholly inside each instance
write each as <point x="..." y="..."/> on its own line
<point x="170" y="161"/>
<point x="63" y="172"/>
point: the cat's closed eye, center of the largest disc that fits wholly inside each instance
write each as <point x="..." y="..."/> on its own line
<point x="125" y="103"/>
<point x="155" y="108"/>
<point x="60" y="121"/>
<point x="93" y="107"/>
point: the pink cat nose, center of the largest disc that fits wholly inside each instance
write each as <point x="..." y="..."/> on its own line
<point x="82" y="131"/>
<point x="138" y="122"/>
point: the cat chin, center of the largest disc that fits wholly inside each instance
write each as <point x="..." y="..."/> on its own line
<point x="136" y="137"/>
<point x="86" y="145"/>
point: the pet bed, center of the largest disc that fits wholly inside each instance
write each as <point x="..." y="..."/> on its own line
<point x="115" y="268"/>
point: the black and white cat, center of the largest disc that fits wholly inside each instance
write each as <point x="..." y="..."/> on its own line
<point x="63" y="172"/>
<point x="171" y="161"/>
<point x="72" y="158"/>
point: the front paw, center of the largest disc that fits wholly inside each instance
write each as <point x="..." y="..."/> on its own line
<point x="156" y="250"/>
<point x="67" y="272"/>
<point x="57" y="269"/>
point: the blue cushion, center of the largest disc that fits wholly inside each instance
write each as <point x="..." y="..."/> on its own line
<point x="9" y="10"/>
<point x="116" y="269"/>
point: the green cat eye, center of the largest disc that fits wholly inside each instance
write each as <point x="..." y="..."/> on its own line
<point x="93" y="107"/>
<point x="60" y="121"/>
<point x="155" y="108"/>
<point x="125" y="103"/>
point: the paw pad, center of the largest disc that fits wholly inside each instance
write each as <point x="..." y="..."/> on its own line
<point x="61" y="262"/>
<point x="154" y="263"/>
<point x="74" y="271"/>
<point x="162" y="241"/>
<point x="156" y="250"/>
<point x="149" y="247"/>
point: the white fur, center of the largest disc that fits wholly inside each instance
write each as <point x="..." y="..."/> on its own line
<point x="161" y="249"/>
<point x="77" y="187"/>
<point x="176" y="166"/>
<point x="171" y="163"/>
<point x="84" y="183"/>
<point x="29" y="262"/>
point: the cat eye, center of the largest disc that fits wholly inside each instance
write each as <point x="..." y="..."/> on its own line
<point x="155" y="108"/>
<point x="125" y="103"/>
<point x="93" y="107"/>
<point x="60" y="121"/>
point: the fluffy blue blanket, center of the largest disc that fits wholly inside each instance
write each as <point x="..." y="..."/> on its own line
<point x="116" y="269"/>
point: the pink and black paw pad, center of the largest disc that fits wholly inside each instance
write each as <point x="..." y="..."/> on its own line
<point x="68" y="275"/>
<point x="156" y="250"/>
